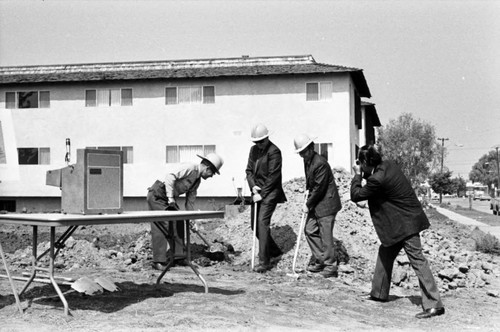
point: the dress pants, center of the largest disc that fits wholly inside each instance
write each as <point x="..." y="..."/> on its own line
<point x="157" y="200"/>
<point x="381" y="282"/>
<point x="319" y="236"/>
<point x="267" y="247"/>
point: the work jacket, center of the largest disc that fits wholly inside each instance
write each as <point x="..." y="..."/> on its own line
<point x="183" y="178"/>
<point x="394" y="207"/>
<point x="323" y="198"/>
<point x="264" y="170"/>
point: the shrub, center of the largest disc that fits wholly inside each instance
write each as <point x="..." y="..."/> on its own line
<point x="488" y="244"/>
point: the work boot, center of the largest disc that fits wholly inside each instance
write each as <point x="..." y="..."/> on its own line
<point x="330" y="272"/>
<point x="261" y="268"/>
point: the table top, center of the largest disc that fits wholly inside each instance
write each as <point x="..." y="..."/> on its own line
<point x="61" y="219"/>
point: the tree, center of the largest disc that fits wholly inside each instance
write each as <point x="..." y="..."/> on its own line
<point x="412" y="144"/>
<point x="442" y="183"/>
<point x="485" y="170"/>
<point x="461" y="186"/>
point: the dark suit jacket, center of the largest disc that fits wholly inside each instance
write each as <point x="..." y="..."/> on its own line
<point x="395" y="210"/>
<point x="323" y="199"/>
<point x="264" y="170"/>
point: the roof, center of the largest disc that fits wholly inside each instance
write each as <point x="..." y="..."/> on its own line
<point x="370" y="107"/>
<point x="175" y="69"/>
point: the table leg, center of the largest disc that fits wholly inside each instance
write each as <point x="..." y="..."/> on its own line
<point x="188" y="254"/>
<point x="18" y="303"/>
<point x="171" y="238"/>
<point x="52" y="254"/>
<point x="33" y="260"/>
<point x="52" y="257"/>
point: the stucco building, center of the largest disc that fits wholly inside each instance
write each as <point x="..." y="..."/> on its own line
<point x="168" y="111"/>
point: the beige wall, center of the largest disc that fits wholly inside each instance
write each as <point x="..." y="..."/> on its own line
<point x="149" y="125"/>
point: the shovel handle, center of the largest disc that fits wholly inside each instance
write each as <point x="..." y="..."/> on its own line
<point x="254" y="233"/>
<point x="302" y="220"/>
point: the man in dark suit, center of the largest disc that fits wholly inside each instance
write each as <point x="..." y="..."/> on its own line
<point x="321" y="206"/>
<point x="398" y="218"/>
<point x="264" y="179"/>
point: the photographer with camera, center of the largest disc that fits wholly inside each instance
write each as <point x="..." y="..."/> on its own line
<point x="398" y="218"/>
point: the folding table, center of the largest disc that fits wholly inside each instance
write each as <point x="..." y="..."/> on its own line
<point x="73" y="221"/>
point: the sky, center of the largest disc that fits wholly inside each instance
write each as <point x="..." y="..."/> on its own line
<point x="438" y="60"/>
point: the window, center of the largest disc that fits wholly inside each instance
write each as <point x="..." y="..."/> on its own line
<point x="323" y="148"/>
<point x="34" y="156"/>
<point x="209" y="95"/>
<point x="27" y="99"/>
<point x="128" y="151"/>
<point x="184" y="153"/>
<point x="190" y="95"/>
<point x="108" y="97"/>
<point x="319" y="91"/>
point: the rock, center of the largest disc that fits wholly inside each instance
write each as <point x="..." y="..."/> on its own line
<point x="493" y="292"/>
<point x="487" y="266"/>
<point x="464" y="268"/>
<point x="399" y="276"/>
<point x="403" y="260"/>
<point x="448" y="274"/>
<point x="348" y="269"/>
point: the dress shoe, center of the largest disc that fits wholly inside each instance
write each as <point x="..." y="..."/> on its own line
<point x="375" y="299"/>
<point x="428" y="313"/>
<point x="261" y="268"/>
<point x="315" y="268"/>
<point x="159" y="266"/>
<point x="329" y="273"/>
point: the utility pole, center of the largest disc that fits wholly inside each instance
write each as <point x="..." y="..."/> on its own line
<point x="442" y="151"/>
<point x="498" y="171"/>
<point x="442" y="163"/>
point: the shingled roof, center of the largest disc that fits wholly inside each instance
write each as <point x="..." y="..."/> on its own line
<point x="175" y="69"/>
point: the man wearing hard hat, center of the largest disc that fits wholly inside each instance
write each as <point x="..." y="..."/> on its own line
<point x="321" y="206"/>
<point x="264" y="179"/>
<point x="181" y="178"/>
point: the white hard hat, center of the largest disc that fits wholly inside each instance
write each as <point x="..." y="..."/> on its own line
<point x="259" y="132"/>
<point x="214" y="160"/>
<point x="302" y="141"/>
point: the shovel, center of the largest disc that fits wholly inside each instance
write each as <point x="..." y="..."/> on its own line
<point x="302" y="221"/>
<point x="254" y="233"/>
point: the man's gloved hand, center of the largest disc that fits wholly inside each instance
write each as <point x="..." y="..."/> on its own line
<point x="172" y="205"/>
<point x="257" y="198"/>
<point x="255" y="189"/>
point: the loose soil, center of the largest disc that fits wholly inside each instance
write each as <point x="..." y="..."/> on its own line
<point x="238" y="299"/>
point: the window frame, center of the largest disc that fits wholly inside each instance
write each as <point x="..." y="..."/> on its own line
<point x="319" y="96"/>
<point x="90" y="103"/>
<point x="205" y="99"/>
<point x="41" y="103"/>
<point x="205" y="149"/>
<point x="323" y="149"/>
<point x="39" y="152"/>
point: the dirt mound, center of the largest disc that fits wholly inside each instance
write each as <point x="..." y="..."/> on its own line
<point x="450" y="248"/>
